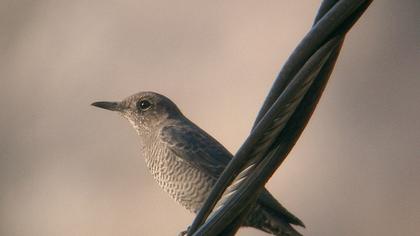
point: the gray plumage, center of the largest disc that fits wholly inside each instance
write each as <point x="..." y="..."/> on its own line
<point x="186" y="161"/>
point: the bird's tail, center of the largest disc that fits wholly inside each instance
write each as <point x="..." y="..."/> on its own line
<point x="265" y="220"/>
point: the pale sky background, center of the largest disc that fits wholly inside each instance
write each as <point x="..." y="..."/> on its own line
<point x="69" y="169"/>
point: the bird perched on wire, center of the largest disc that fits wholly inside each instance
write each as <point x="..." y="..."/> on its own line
<point x="186" y="161"/>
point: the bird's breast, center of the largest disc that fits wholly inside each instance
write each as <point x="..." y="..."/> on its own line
<point x="183" y="182"/>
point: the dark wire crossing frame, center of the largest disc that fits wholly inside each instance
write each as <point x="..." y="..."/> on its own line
<point x="281" y="120"/>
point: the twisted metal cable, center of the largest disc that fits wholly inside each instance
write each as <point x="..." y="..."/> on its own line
<point x="326" y="22"/>
<point x="270" y="134"/>
<point x="285" y="110"/>
<point x="292" y="97"/>
<point x="260" y="145"/>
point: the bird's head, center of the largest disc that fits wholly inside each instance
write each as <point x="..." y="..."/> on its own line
<point x="146" y="111"/>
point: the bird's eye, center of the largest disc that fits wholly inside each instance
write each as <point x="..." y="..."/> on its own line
<point x="143" y="105"/>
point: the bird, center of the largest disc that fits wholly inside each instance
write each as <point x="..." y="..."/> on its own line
<point x="186" y="161"/>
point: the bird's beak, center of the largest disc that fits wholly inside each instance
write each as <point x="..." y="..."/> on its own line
<point x="112" y="106"/>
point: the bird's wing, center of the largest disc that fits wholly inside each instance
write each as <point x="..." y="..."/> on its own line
<point x="195" y="146"/>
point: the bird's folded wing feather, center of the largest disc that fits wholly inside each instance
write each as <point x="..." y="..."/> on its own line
<point x="193" y="145"/>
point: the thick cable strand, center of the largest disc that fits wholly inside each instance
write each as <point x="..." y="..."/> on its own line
<point x="238" y="162"/>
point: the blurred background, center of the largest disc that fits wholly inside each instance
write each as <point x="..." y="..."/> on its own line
<point x="67" y="168"/>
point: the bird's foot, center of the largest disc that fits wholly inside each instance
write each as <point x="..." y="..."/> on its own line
<point x="185" y="232"/>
